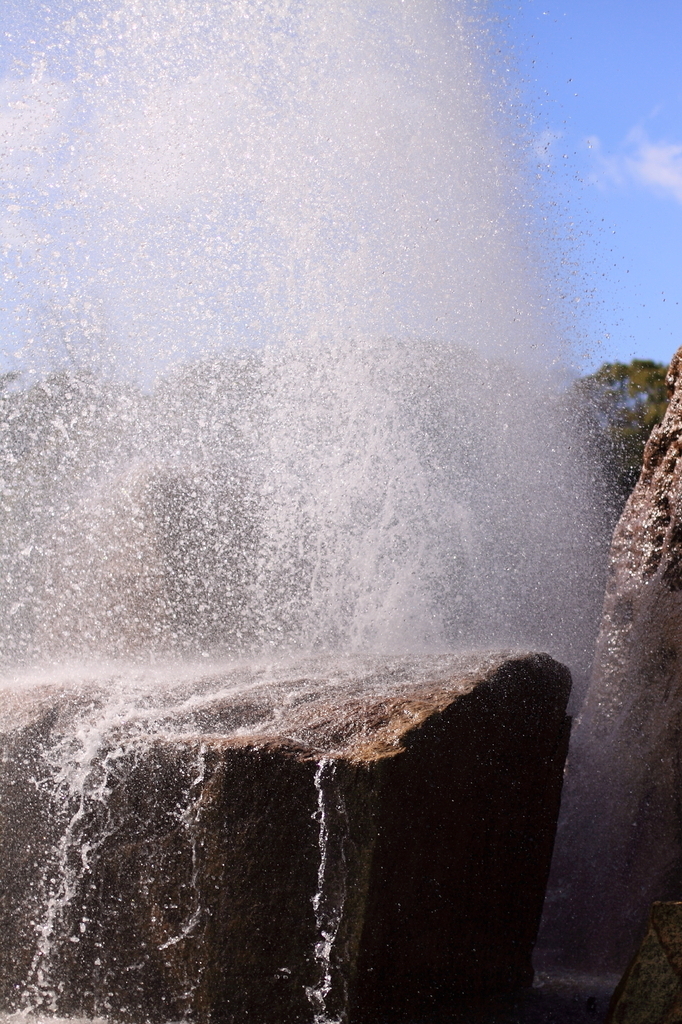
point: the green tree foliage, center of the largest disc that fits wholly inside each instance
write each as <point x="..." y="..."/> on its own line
<point x="627" y="401"/>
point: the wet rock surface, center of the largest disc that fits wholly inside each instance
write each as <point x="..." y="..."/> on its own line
<point x="277" y="844"/>
<point x="620" y="844"/>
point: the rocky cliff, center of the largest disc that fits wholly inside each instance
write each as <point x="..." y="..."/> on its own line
<point x="621" y="840"/>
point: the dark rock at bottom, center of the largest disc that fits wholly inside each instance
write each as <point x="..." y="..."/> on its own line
<point x="281" y="848"/>
<point x="562" y="998"/>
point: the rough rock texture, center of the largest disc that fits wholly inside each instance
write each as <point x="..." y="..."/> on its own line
<point x="277" y="845"/>
<point x="650" y="991"/>
<point x="620" y="845"/>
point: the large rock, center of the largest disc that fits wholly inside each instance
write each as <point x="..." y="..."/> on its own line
<point x="299" y="844"/>
<point x="620" y="847"/>
<point x="650" y="991"/>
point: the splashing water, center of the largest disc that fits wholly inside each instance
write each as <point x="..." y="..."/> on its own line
<point x="260" y="172"/>
<point x="321" y="218"/>
<point x="284" y="367"/>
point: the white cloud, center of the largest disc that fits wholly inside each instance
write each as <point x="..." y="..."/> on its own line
<point x="657" y="164"/>
<point x="654" y="165"/>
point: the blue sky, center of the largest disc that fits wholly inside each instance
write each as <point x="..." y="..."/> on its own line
<point x="603" y="79"/>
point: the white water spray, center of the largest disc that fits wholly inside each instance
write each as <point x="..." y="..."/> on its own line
<point x="324" y="216"/>
<point x="330" y="898"/>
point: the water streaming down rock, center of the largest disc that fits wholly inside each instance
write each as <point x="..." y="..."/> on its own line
<point x="330" y="897"/>
<point x="291" y="371"/>
<point x="315" y="841"/>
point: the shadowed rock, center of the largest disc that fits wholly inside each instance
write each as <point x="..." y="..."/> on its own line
<point x="623" y="817"/>
<point x="285" y="845"/>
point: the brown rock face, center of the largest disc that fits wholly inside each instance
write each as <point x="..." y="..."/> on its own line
<point x="623" y="812"/>
<point x="651" y="988"/>
<point x="297" y="844"/>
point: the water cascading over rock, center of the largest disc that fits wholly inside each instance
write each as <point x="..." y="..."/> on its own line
<point x="327" y="841"/>
<point x="286" y="377"/>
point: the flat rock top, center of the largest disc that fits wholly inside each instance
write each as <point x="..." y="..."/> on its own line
<point x="358" y="707"/>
